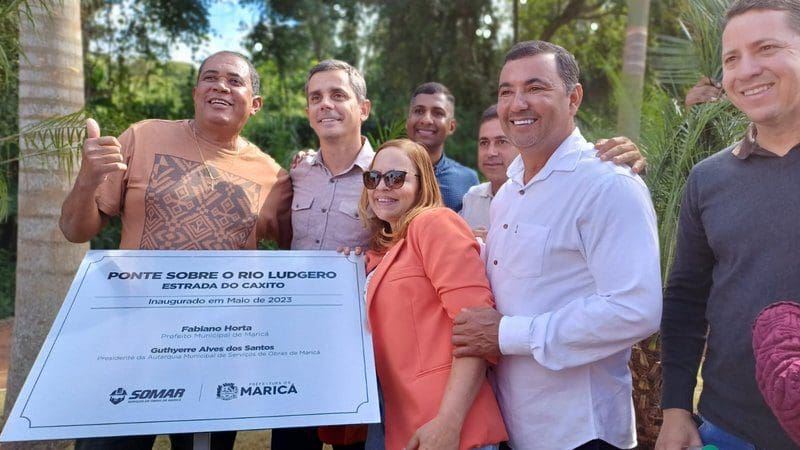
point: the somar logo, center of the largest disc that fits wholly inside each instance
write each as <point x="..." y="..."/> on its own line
<point x="117" y="396"/>
<point x="156" y="395"/>
<point x="227" y="391"/>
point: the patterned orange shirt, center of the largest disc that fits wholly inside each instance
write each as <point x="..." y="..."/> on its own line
<point x="168" y="201"/>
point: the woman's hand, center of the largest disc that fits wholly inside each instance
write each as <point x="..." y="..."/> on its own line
<point x="438" y="434"/>
<point x="346" y="250"/>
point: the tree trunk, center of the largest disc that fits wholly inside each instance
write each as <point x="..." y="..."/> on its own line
<point x="633" y="65"/>
<point x="50" y="84"/>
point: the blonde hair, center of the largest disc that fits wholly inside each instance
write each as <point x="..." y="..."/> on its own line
<point x="428" y="197"/>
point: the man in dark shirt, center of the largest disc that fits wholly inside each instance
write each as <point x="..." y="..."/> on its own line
<point x="738" y="241"/>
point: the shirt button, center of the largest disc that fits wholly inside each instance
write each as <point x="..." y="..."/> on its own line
<point x="316" y="241"/>
<point x="522" y="192"/>
<point x="324" y="210"/>
<point x="505" y="226"/>
<point x="332" y="180"/>
<point x="494" y="262"/>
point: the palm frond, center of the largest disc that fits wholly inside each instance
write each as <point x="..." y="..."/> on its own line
<point x="56" y="136"/>
<point x="682" y="60"/>
<point x="11" y="12"/>
<point x="3" y="198"/>
<point x="386" y="132"/>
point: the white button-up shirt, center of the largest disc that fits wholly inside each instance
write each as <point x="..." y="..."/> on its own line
<point x="573" y="260"/>
<point x="475" y="209"/>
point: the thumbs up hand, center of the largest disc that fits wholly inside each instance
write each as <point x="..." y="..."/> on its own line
<point x="101" y="156"/>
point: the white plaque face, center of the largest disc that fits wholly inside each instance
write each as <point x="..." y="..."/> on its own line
<point x="152" y="342"/>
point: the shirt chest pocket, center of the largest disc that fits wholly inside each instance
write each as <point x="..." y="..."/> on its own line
<point x="525" y="250"/>
<point x="349" y="209"/>
<point x="301" y="216"/>
<point x="348" y="228"/>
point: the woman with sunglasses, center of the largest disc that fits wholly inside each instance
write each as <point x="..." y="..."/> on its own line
<point x="423" y="267"/>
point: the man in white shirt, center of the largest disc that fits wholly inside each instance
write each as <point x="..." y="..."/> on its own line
<point x="495" y="153"/>
<point x="563" y="226"/>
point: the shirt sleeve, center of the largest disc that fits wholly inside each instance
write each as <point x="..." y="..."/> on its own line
<point x="464" y="206"/>
<point x="684" y="326"/>
<point x="620" y="245"/>
<point x="277" y="210"/>
<point x="451" y="260"/>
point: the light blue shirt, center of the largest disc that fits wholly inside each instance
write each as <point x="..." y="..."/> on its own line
<point x="454" y="181"/>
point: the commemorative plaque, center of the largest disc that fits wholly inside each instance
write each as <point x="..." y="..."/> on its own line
<point x="153" y="342"/>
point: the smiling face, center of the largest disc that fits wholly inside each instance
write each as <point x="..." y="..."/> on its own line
<point x="334" y="111"/>
<point x="223" y="97"/>
<point x="389" y="205"/>
<point x="535" y="110"/>
<point x="761" y="68"/>
<point x="495" y="151"/>
<point x="430" y="121"/>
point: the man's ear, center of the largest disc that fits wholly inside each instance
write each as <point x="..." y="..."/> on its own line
<point x="257" y="104"/>
<point x="575" y="98"/>
<point x="365" y="107"/>
<point x="451" y="127"/>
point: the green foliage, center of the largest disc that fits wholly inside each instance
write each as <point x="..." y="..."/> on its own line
<point x="281" y="127"/>
<point x="279" y="136"/>
<point x="682" y="60"/>
<point x="8" y="148"/>
<point x="295" y="32"/>
<point x="148" y="90"/>
<point x="9" y="52"/>
<point x="126" y="29"/>
<point x="593" y="30"/>
<point x="676" y="139"/>
<point x="384" y="40"/>
<point x="387" y="132"/>
<point x="109" y="236"/>
<point x="56" y="136"/>
<point x="421" y="40"/>
<point x="7" y="272"/>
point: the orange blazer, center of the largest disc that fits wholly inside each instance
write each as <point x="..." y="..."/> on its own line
<point x="420" y="285"/>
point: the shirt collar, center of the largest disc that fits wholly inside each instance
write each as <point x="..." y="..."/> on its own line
<point x="564" y="159"/>
<point x="443" y="163"/>
<point x="363" y="158"/>
<point x="749" y="146"/>
<point x="484" y="190"/>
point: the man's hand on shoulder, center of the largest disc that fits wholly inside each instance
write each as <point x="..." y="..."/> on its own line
<point x="480" y="232"/>
<point x="101" y="156"/>
<point x="621" y="150"/>
<point x="476" y="333"/>
<point x="705" y="90"/>
<point x="678" y="431"/>
<point x="302" y="154"/>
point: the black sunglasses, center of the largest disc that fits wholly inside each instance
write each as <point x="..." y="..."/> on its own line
<point x="393" y="179"/>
